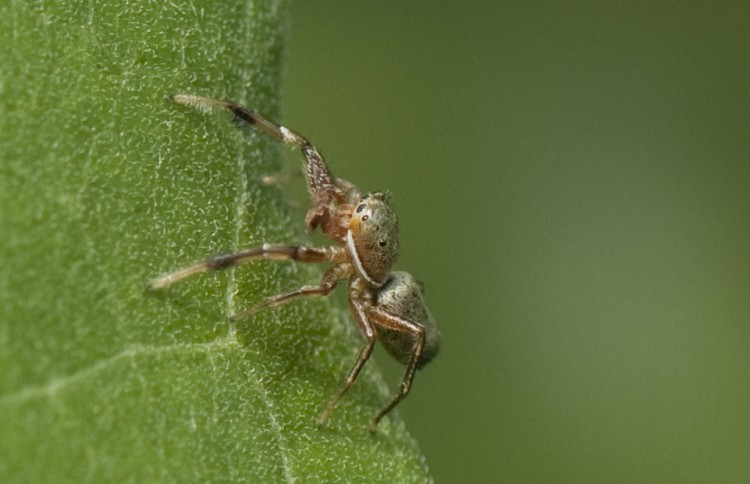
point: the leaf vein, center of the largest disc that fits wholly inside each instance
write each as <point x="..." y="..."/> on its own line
<point x="55" y="385"/>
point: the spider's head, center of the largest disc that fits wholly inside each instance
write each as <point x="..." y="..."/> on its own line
<point x="372" y="238"/>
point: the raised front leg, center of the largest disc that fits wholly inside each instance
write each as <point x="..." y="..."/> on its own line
<point x="317" y="174"/>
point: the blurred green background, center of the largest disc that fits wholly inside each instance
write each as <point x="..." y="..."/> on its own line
<point x="572" y="182"/>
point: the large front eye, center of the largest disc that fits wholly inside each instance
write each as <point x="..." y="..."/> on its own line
<point x="361" y="207"/>
<point x="382" y="242"/>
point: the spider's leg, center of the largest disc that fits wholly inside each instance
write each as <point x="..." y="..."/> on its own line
<point x="316" y="172"/>
<point x="330" y="278"/>
<point x="360" y="313"/>
<point x="351" y="191"/>
<point x="280" y="178"/>
<point x="393" y="322"/>
<point x="312" y="255"/>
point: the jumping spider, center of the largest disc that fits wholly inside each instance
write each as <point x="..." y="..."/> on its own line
<point x="386" y="305"/>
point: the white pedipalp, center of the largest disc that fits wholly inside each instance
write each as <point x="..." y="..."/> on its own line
<point x="358" y="262"/>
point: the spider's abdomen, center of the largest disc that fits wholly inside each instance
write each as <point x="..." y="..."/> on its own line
<point x="402" y="296"/>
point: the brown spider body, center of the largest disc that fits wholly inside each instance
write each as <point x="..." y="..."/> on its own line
<point x="386" y="305"/>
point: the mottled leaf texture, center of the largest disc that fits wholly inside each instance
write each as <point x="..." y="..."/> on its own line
<point x="105" y="184"/>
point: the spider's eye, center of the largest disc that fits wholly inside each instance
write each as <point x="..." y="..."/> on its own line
<point x="382" y="242"/>
<point x="365" y="218"/>
<point x="361" y="207"/>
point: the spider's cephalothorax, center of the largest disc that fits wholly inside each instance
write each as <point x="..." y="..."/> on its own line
<point x="372" y="238"/>
<point x="386" y="305"/>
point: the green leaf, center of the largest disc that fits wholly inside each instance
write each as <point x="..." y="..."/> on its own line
<point x="104" y="184"/>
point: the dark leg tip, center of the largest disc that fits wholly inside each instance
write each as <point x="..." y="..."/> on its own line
<point x="243" y="114"/>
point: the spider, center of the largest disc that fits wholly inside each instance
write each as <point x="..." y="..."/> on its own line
<point x="388" y="306"/>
